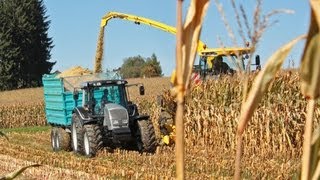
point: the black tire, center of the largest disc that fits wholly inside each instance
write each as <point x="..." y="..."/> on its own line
<point x="54" y="142"/>
<point x="76" y="134"/>
<point x="64" y="139"/>
<point x="92" y="139"/>
<point x="145" y="136"/>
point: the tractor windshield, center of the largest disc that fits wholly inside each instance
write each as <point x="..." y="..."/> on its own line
<point x="111" y="94"/>
<point x="231" y="61"/>
<point x="99" y="96"/>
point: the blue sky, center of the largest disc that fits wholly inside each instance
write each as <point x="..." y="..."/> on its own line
<point x="75" y="26"/>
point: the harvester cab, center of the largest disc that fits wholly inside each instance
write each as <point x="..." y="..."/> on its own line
<point x="216" y="61"/>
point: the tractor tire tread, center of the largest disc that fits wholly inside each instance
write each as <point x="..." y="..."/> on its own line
<point x="79" y="132"/>
<point x="148" y="136"/>
<point x="95" y="138"/>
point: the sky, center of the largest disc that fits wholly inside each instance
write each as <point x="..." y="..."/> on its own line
<point x="75" y="26"/>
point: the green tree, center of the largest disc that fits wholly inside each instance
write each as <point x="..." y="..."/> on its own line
<point x="131" y="67"/>
<point x="24" y="43"/>
<point x="138" y="66"/>
<point x="152" y="67"/>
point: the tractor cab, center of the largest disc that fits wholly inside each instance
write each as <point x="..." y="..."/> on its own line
<point x="96" y="94"/>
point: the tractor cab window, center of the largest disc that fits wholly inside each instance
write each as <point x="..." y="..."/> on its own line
<point x="228" y="63"/>
<point x="111" y="94"/>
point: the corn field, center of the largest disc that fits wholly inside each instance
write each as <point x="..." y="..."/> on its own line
<point x="22" y="115"/>
<point x="272" y="141"/>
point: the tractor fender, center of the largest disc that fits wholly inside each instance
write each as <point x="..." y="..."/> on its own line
<point x="83" y="115"/>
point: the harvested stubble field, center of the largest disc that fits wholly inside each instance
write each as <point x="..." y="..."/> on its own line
<point x="272" y="143"/>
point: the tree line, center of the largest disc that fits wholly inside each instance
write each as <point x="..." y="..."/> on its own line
<point x="24" y="43"/>
<point x="138" y="66"/>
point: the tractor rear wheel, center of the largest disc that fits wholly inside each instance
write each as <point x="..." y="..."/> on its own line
<point x="92" y="139"/>
<point x="145" y="136"/>
<point x="76" y="134"/>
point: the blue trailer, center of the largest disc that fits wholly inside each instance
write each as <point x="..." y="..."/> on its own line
<point x="59" y="92"/>
<point x="92" y="111"/>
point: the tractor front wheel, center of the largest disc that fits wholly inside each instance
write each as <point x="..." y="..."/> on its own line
<point x="92" y="139"/>
<point x="145" y="136"/>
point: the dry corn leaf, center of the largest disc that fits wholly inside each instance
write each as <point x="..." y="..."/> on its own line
<point x="262" y="82"/>
<point x="4" y="135"/>
<point x="310" y="81"/>
<point x="16" y="173"/>
<point x="310" y="65"/>
<point x="191" y="34"/>
<point x="315" y="7"/>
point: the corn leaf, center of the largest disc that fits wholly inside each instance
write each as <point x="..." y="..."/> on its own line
<point x="17" y="172"/>
<point x="262" y="82"/>
<point x="4" y="135"/>
<point x="310" y="65"/>
<point x="315" y="7"/>
<point x="191" y="34"/>
<point x="310" y="82"/>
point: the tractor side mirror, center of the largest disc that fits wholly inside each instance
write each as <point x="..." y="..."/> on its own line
<point x="141" y="90"/>
<point x="258" y="66"/>
<point x="257" y="60"/>
<point x="75" y="95"/>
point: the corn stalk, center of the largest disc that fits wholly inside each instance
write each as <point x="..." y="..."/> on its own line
<point x="187" y="42"/>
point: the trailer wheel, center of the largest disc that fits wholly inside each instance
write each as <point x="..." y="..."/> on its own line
<point x="92" y="139"/>
<point x="76" y="134"/>
<point x="54" y="141"/>
<point x="145" y="136"/>
<point x="64" y="139"/>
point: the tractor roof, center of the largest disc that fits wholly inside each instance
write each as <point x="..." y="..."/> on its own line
<point x="226" y="51"/>
<point x="100" y="83"/>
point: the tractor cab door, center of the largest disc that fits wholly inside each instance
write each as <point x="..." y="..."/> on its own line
<point x="88" y="100"/>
